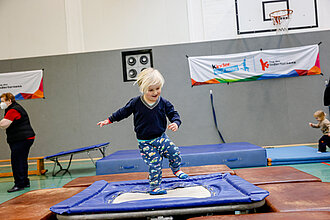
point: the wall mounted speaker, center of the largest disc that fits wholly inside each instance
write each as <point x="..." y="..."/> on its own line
<point x="134" y="62"/>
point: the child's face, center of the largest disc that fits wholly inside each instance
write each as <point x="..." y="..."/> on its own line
<point x="318" y="118"/>
<point x="153" y="93"/>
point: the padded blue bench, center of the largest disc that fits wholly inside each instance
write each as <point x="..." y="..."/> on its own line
<point x="295" y="155"/>
<point x="54" y="158"/>
<point x="234" y="155"/>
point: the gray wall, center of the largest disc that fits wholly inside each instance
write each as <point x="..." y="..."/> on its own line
<point x="82" y="89"/>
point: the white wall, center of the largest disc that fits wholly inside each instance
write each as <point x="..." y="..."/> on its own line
<point x="131" y="23"/>
<point x="216" y="19"/>
<point x="31" y="28"/>
<point x="48" y="27"/>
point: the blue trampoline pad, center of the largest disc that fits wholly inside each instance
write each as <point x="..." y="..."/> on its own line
<point x="103" y="197"/>
<point x="296" y="155"/>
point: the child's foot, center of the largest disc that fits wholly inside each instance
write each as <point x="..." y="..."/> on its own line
<point x="158" y="191"/>
<point x="181" y="175"/>
<point x="319" y="152"/>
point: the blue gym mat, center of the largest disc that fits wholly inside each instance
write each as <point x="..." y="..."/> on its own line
<point x="234" y="155"/>
<point x="295" y="155"/>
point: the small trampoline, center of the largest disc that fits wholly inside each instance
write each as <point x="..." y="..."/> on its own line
<point x="130" y="199"/>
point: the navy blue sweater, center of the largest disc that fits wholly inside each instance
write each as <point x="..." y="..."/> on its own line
<point x="149" y="121"/>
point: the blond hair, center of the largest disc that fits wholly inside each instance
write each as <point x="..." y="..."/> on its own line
<point x="149" y="77"/>
<point x="8" y="96"/>
<point x="319" y="114"/>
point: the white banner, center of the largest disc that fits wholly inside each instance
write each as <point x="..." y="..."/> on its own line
<point x="23" y="85"/>
<point x="256" y="65"/>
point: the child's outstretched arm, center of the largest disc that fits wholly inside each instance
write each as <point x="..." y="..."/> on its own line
<point x="105" y="122"/>
<point x="173" y="116"/>
<point x="120" y="114"/>
<point x="314" y="125"/>
<point x="175" y="121"/>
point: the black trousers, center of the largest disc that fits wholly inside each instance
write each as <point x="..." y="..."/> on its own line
<point x="323" y="143"/>
<point x="19" y="161"/>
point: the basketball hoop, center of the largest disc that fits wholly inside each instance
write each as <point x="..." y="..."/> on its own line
<point x="281" y="20"/>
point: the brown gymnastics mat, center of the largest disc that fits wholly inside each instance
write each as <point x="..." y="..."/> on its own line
<point x="167" y="173"/>
<point x="35" y="204"/>
<point x="302" y="196"/>
<point x="271" y="215"/>
<point x="269" y="175"/>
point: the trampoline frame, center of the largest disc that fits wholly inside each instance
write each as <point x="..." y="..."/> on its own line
<point x="167" y="212"/>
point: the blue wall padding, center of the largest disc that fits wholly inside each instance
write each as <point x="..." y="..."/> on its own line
<point x="234" y="155"/>
<point x="62" y="153"/>
<point x="296" y="155"/>
<point x="98" y="197"/>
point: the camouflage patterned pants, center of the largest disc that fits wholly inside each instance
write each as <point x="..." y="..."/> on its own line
<point x="153" y="152"/>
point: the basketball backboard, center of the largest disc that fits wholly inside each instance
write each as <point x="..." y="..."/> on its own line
<point x="252" y="16"/>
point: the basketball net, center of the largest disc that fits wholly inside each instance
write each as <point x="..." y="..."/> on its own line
<point x="281" y="20"/>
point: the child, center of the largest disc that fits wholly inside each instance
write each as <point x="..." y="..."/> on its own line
<point x="324" y="124"/>
<point x="150" y="111"/>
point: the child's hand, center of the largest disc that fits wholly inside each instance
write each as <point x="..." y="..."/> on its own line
<point x="311" y="124"/>
<point x="173" y="126"/>
<point x="102" y="123"/>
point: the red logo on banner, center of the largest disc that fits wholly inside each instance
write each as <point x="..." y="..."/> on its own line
<point x="264" y="65"/>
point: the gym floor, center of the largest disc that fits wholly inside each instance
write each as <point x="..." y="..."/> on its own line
<point x="85" y="167"/>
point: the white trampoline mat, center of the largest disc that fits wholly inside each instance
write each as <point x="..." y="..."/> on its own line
<point x="191" y="192"/>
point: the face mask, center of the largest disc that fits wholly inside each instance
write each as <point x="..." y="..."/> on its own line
<point x="3" y="105"/>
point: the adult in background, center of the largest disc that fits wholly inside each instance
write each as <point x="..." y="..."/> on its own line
<point x="20" y="137"/>
<point x="326" y="96"/>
